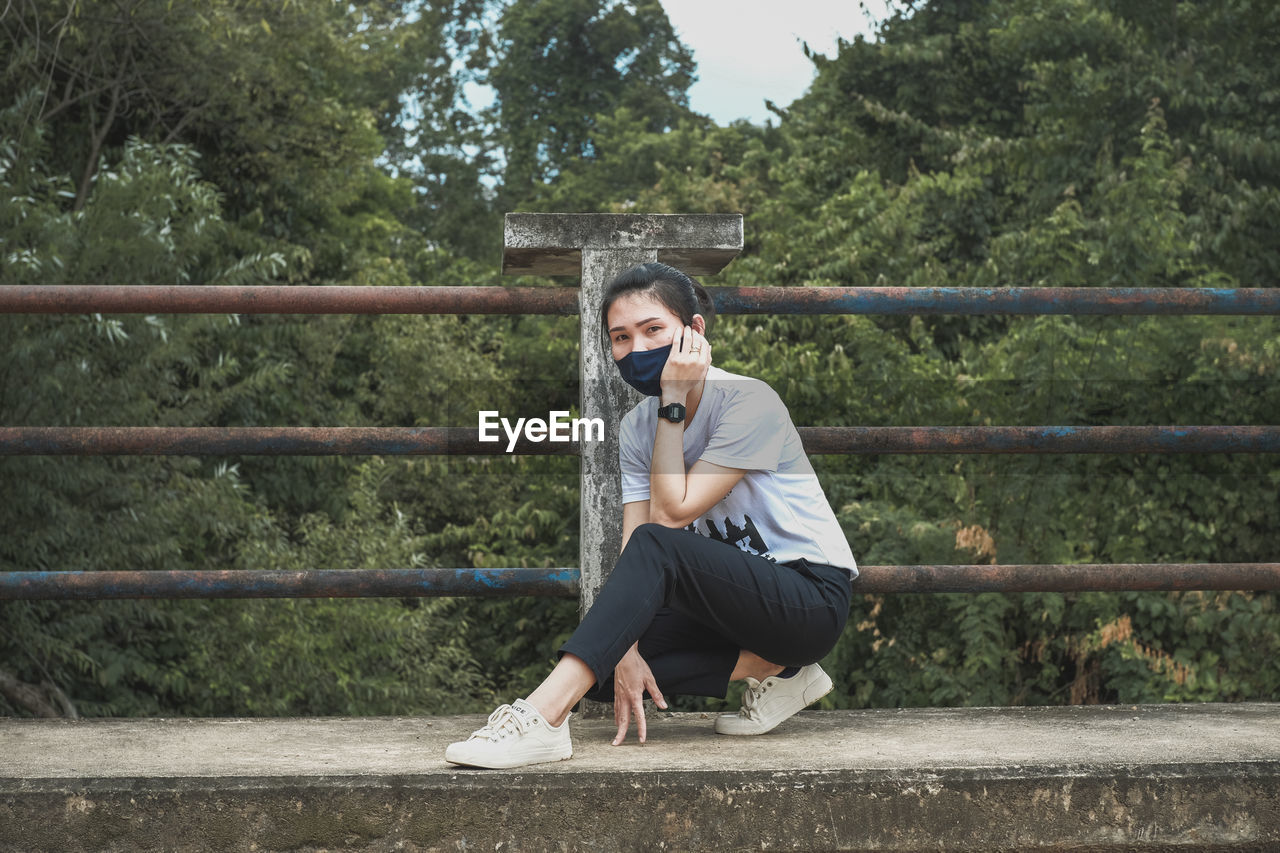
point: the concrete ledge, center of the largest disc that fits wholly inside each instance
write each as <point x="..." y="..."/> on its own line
<point x="1178" y="777"/>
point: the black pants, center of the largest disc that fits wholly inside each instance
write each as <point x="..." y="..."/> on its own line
<point x="695" y="603"/>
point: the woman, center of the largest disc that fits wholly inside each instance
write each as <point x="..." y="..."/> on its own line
<point x="733" y="566"/>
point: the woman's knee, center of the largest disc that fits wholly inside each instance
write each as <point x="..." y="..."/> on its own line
<point x="651" y="535"/>
<point x="652" y="547"/>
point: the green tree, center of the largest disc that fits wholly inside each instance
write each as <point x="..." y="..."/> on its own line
<point x="999" y="144"/>
<point x="1077" y="144"/>
<point x="995" y="143"/>
<point x="561" y="65"/>
<point x="276" y="180"/>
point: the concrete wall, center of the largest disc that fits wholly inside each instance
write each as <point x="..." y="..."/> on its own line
<point x="1134" y="778"/>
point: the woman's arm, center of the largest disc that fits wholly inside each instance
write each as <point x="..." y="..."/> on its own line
<point x="677" y="497"/>
<point x="634" y="514"/>
<point x="632" y="676"/>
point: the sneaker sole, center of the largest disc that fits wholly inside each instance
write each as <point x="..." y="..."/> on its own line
<point x="460" y="758"/>
<point x="823" y="686"/>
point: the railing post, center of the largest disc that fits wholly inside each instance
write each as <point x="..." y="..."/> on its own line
<point x="598" y="247"/>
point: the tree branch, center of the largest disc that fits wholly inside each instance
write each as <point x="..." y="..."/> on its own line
<point x="182" y="122"/>
<point x="91" y="167"/>
<point x="70" y="100"/>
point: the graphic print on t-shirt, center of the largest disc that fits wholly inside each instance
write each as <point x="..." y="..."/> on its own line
<point x="746" y="538"/>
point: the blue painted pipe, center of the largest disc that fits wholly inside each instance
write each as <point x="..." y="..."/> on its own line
<point x="995" y="300"/>
<point x="332" y="583"/>
<point x="1041" y="439"/>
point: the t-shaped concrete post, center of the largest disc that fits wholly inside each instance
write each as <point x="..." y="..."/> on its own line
<point x="598" y="247"/>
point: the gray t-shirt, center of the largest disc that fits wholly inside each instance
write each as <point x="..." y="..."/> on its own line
<point x="777" y="509"/>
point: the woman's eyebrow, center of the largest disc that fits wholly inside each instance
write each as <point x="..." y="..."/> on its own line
<point x="624" y="328"/>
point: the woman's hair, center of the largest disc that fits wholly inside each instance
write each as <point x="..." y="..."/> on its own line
<point x="677" y="291"/>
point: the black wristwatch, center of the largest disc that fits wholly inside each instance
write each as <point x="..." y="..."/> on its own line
<point x="673" y="412"/>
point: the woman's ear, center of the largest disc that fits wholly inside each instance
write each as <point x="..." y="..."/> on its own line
<point x="699" y="324"/>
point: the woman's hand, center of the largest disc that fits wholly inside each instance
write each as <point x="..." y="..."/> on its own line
<point x="686" y="366"/>
<point x="631" y="678"/>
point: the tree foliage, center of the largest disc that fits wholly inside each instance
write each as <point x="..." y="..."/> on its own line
<point x="1068" y="144"/>
<point x="566" y="63"/>
<point x="997" y="143"/>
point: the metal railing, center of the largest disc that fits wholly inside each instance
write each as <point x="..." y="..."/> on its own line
<point x="206" y="299"/>
<point x="573" y="582"/>
<point x="452" y="441"/>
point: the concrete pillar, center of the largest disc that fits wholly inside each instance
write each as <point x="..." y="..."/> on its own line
<point x="598" y="247"/>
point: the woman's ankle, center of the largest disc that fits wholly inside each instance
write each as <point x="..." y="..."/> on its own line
<point x="552" y="709"/>
<point x="751" y="665"/>
<point x="555" y="697"/>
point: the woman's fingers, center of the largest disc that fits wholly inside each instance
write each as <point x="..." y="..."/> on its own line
<point x="622" y="716"/>
<point x="623" y="708"/>
<point x="687" y="341"/>
<point x="640" y="721"/>
<point x="654" y="692"/>
<point x="632" y="677"/>
<point x="701" y="350"/>
<point x="694" y="345"/>
<point x="688" y="362"/>
<point x="689" y="351"/>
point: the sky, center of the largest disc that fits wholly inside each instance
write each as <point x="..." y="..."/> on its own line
<point x="750" y="50"/>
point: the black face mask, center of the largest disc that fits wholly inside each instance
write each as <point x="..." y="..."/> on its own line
<point x="643" y="370"/>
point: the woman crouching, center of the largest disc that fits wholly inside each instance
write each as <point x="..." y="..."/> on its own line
<point x="733" y="566"/>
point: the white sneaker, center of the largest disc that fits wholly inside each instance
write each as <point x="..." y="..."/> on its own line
<point x="767" y="703"/>
<point x="515" y="735"/>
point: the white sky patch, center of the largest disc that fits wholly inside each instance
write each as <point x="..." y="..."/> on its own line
<point x="750" y="50"/>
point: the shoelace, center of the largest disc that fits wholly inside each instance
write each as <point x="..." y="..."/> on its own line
<point x="502" y="722"/>
<point x="755" y="689"/>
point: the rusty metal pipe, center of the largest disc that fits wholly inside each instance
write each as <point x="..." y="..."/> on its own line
<point x="262" y="441"/>
<point x="1079" y="577"/>
<point x="330" y="299"/>
<point x="563" y="582"/>
<point x="335" y="299"/>
<point x="1041" y="439"/>
<point x="420" y="441"/>
<point x="333" y="583"/>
